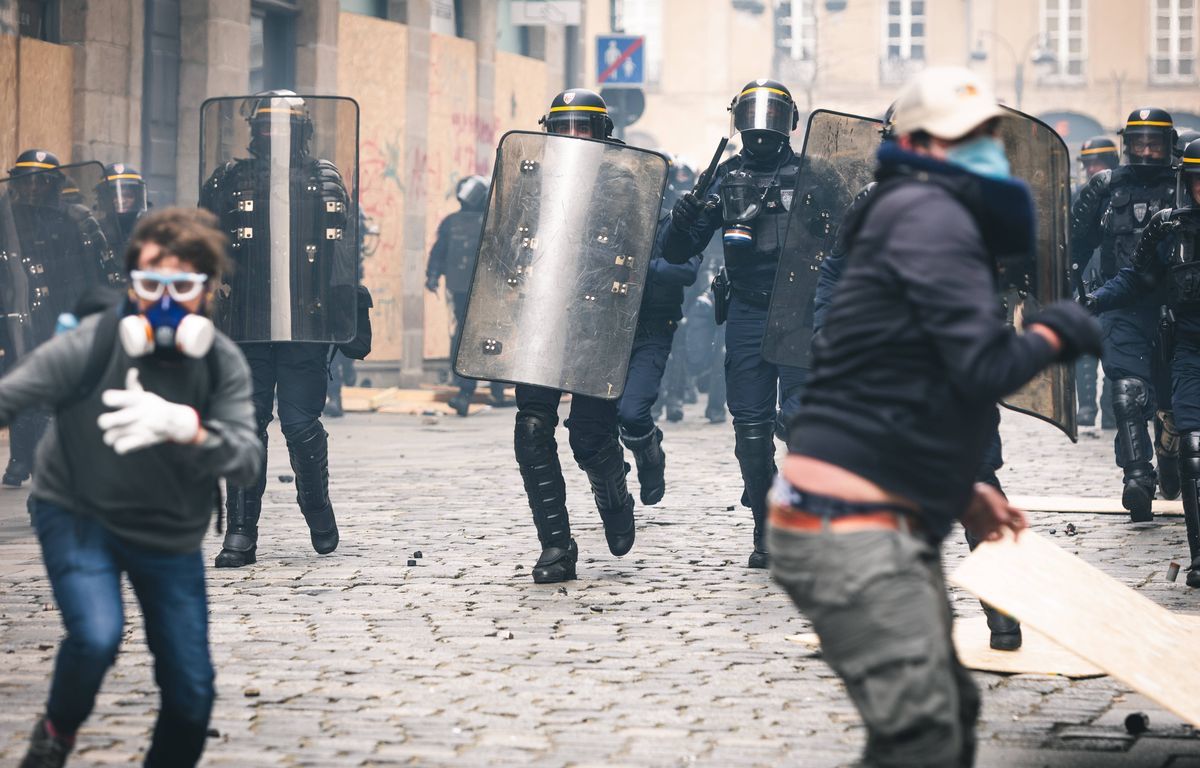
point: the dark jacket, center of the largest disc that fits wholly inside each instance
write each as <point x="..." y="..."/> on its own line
<point x="454" y="250"/>
<point x="160" y="497"/>
<point x="662" y="299"/>
<point x="915" y="351"/>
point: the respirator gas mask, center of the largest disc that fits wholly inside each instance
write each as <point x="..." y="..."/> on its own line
<point x="166" y="327"/>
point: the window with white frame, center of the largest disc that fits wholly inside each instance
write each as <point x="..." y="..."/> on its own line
<point x="645" y="18"/>
<point x="903" y="38"/>
<point x="1064" y="34"/>
<point x="1172" y="41"/>
<point x="796" y="29"/>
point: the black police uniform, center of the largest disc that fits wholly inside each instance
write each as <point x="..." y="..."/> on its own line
<point x="64" y="252"/>
<point x="752" y="250"/>
<point x="294" y="373"/>
<point x="1110" y="214"/>
<point x="1168" y="258"/>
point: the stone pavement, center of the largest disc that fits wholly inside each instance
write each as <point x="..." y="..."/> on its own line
<point x="673" y="655"/>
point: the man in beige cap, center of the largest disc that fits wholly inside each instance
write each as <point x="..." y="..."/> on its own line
<point x="901" y="403"/>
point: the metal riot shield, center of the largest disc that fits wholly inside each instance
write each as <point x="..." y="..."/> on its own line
<point x="52" y="250"/>
<point x="562" y="263"/>
<point x="837" y="161"/>
<point x="280" y="171"/>
<point x="1029" y="282"/>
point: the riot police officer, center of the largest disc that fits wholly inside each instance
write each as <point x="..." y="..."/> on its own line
<point x="754" y="189"/>
<point x="453" y="255"/>
<point x="1168" y="256"/>
<point x="592" y="424"/>
<point x="123" y="194"/>
<point x="1097" y="154"/>
<point x="1110" y="213"/>
<point x="63" y="253"/>
<point x="240" y="192"/>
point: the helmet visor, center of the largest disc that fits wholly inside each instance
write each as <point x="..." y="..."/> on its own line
<point x="762" y="109"/>
<point x="1147" y="145"/>
<point x="573" y="123"/>
<point x="129" y="193"/>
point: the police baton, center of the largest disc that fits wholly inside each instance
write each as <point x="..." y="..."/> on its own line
<point x="706" y="177"/>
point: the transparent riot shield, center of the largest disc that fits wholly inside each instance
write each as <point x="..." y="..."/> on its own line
<point x="562" y="264"/>
<point x="1029" y="282"/>
<point x="280" y="171"/>
<point x="838" y="160"/>
<point x="52" y="250"/>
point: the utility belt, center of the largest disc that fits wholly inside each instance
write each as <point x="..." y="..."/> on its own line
<point x="796" y="510"/>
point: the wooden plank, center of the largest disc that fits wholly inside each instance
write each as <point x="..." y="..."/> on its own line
<point x="1093" y="615"/>
<point x="1093" y="506"/>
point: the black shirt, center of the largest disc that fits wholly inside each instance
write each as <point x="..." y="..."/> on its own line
<point x="915" y="351"/>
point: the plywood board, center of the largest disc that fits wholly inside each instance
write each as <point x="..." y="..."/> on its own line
<point x="46" y="97"/>
<point x="1092" y="506"/>
<point x="1083" y="609"/>
<point x="8" y="100"/>
<point x="373" y="69"/>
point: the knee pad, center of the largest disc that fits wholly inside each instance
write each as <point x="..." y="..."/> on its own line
<point x="298" y="434"/>
<point x="533" y="436"/>
<point x="1130" y="397"/>
<point x="1189" y="455"/>
<point x="754" y="440"/>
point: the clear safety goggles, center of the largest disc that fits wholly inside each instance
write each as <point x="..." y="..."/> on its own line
<point x="183" y="286"/>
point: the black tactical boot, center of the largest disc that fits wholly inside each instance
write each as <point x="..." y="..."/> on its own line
<point x="651" y="464"/>
<point x="537" y="457"/>
<point x="1006" y="631"/>
<point x="1130" y="398"/>
<point x="1166" y="448"/>
<point x="1189" y="470"/>
<point x="461" y="403"/>
<point x="46" y="750"/>
<point x="15" y="473"/>
<point x="754" y="447"/>
<point x="1138" y="495"/>
<point x="242" y="509"/>
<point x="606" y="471"/>
<point x="309" y="453"/>
<point x="333" y="406"/>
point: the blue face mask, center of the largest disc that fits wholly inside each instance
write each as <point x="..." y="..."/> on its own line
<point x="983" y="156"/>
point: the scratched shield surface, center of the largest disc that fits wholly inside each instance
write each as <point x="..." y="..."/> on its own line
<point x="562" y="263"/>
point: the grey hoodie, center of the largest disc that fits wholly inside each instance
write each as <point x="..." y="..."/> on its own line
<point x="160" y="497"/>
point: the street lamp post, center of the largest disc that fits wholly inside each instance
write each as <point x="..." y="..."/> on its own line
<point x="1042" y="55"/>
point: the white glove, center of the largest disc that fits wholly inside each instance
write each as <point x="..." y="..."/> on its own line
<point x="144" y="419"/>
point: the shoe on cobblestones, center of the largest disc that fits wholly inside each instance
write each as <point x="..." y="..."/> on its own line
<point x="237" y="554"/>
<point x="461" y="404"/>
<point x="15" y="473"/>
<point x="758" y="560"/>
<point x="322" y="530"/>
<point x="556" y="564"/>
<point x="46" y="750"/>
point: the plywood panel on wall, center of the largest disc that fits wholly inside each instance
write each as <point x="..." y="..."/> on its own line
<point x="45" y="87"/>
<point x="373" y="69"/>
<point x="450" y="155"/>
<point x="520" y="93"/>
<point x="8" y="102"/>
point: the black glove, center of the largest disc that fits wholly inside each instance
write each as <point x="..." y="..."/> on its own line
<point x="1076" y="329"/>
<point x="1088" y="302"/>
<point x="686" y="212"/>
<point x="431" y="283"/>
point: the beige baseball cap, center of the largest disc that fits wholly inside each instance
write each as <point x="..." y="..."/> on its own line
<point x="946" y="102"/>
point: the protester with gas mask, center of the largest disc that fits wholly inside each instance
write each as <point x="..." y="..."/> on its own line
<point x="152" y="407"/>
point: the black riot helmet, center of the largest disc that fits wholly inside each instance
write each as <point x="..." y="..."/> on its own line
<point x="1187" y="194"/>
<point x="124" y="189"/>
<point x="472" y="193"/>
<point x="1097" y="154"/>
<point x="1148" y="137"/>
<point x="765" y="114"/>
<point x="280" y="116"/>
<point x="578" y="112"/>
<point x="1183" y="137"/>
<point x="36" y="178"/>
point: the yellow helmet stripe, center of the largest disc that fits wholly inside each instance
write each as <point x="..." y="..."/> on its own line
<point x="579" y="109"/>
<point x="764" y="88"/>
<point x="1099" y="151"/>
<point x="1192" y="160"/>
<point x="285" y="111"/>
<point x="32" y="164"/>
<point x="1155" y="123"/>
<point x="137" y="176"/>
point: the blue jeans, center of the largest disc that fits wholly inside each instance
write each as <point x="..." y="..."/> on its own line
<point x="85" y="563"/>
<point x="753" y="385"/>
<point x="647" y="363"/>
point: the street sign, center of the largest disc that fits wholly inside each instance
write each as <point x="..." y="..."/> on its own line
<point x="625" y="104"/>
<point x="620" y="60"/>
<point x="542" y="13"/>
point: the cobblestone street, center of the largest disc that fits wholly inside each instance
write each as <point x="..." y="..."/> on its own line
<point x="674" y="655"/>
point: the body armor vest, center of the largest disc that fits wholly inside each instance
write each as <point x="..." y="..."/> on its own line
<point x="1132" y="201"/>
<point x="1183" y="274"/>
<point x="752" y="247"/>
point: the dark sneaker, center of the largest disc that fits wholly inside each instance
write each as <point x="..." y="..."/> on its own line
<point x="15" y="473"/>
<point x="46" y="750"/>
